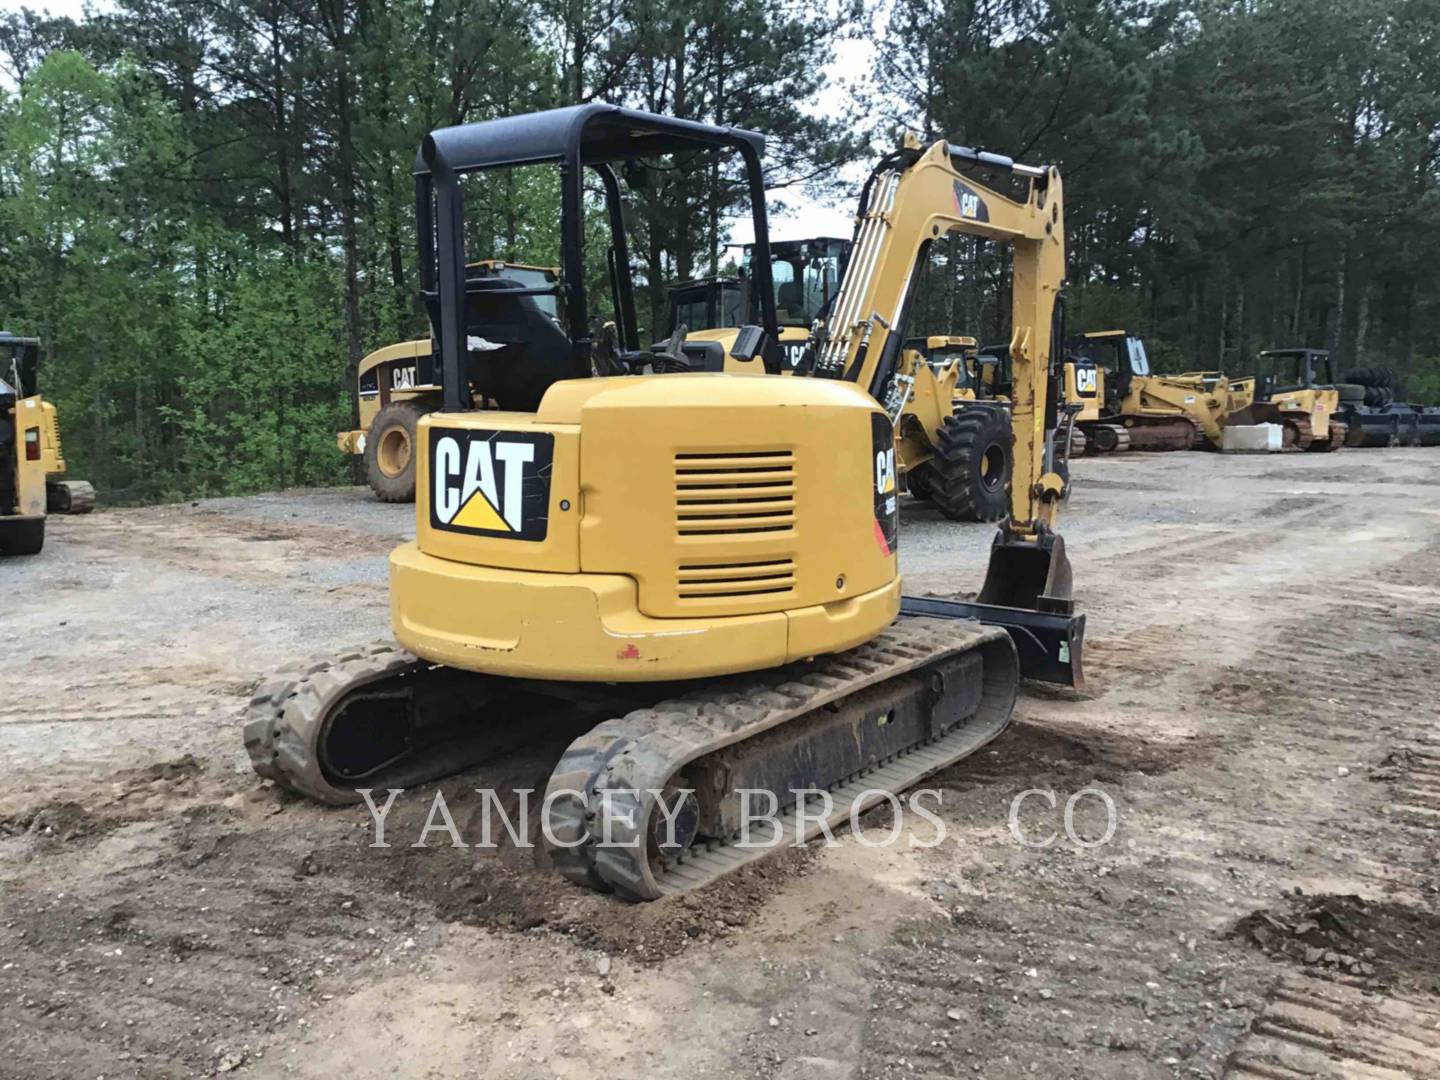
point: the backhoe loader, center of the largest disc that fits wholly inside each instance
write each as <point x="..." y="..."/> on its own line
<point x="950" y="451"/>
<point x="1294" y="388"/>
<point x="32" y="465"/>
<point x="397" y="384"/>
<point x="804" y="275"/>
<point x="698" y="567"/>
<point x="1141" y="410"/>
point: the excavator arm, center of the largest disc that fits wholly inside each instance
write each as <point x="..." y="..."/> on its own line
<point x="913" y="197"/>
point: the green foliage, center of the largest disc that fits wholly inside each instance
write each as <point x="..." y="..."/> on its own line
<point x="1238" y="175"/>
<point x="206" y="206"/>
<point x="260" y="407"/>
<point x="1422" y="383"/>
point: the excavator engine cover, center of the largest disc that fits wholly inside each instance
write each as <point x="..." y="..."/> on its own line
<point x="653" y="528"/>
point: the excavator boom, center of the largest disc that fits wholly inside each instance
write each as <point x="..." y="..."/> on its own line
<point x="913" y="197"/>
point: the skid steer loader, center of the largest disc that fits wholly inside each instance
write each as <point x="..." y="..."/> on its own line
<point x="1140" y="410"/>
<point x="700" y="565"/>
<point x="32" y="464"/>
<point x="398" y="384"/>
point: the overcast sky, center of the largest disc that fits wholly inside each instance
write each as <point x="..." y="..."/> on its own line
<point x="74" y="8"/>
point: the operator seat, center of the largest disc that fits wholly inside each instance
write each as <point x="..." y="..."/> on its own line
<point x="787" y="298"/>
<point x="516" y="350"/>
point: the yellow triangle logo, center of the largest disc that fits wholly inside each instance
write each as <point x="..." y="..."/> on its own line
<point x="479" y="514"/>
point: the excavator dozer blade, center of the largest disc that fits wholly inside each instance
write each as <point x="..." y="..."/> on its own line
<point x="1028" y="593"/>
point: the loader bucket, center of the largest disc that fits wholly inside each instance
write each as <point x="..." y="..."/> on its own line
<point x="1027" y="592"/>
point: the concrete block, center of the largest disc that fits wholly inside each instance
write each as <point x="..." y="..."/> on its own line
<point x="1252" y="439"/>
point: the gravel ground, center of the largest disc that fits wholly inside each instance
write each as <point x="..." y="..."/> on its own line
<point x="1262" y="641"/>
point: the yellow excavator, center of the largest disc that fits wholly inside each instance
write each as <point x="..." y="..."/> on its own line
<point x="1140" y="410"/>
<point x="399" y="383"/>
<point x="32" y="464"/>
<point x="697" y="567"/>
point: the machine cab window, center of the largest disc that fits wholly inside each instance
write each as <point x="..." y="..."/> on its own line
<point x="1139" y="362"/>
<point x="1281" y="370"/>
<point x="806" y="274"/>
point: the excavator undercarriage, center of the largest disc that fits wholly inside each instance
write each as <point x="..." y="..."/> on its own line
<point x="854" y="726"/>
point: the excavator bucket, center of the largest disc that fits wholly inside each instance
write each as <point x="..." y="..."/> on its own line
<point x="1028" y="593"/>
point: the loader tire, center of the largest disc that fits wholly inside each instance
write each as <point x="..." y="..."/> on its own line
<point x="969" y="476"/>
<point x="1351" y="392"/>
<point x="917" y="482"/>
<point x="25" y="537"/>
<point x="390" y="451"/>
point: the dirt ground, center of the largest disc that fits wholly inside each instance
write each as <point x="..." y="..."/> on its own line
<point x="1262" y="650"/>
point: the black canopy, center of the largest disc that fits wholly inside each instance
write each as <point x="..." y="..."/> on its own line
<point x="602" y="132"/>
<point x="577" y="137"/>
<point x="25" y="351"/>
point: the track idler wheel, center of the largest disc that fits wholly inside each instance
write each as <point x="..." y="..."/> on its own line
<point x="1107" y="438"/>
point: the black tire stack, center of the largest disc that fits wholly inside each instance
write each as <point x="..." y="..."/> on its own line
<point x="1376" y="386"/>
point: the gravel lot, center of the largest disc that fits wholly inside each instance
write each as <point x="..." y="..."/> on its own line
<point x="1264" y="633"/>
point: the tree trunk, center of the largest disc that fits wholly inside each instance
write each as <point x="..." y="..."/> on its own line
<point x="1337" y="326"/>
<point x="349" y="228"/>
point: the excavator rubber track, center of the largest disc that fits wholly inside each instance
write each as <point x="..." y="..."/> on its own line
<point x="821" y="717"/>
<point x="374" y="716"/>
<point x="957" y="679"/>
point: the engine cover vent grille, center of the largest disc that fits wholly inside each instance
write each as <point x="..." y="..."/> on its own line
<point x="735" y="492"/>
<point x="761" y="577"/>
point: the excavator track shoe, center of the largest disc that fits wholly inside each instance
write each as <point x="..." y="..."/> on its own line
<point x="374" y="716"/>
<point x="946" y="688"/>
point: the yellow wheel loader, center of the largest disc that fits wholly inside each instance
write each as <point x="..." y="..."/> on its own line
<point x="954" y="447"/>
<point x="1294" y="388"/>
<point x="698" y="567"/>
<point x="398" y="384"/>
<point x="32" y="464"/>
<point x="1140" y="410"/>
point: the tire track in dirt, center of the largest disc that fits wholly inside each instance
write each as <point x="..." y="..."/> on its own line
<point x="1314" y="1029"/>
<point x="1133" y="974"/>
